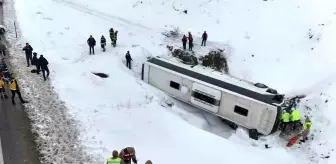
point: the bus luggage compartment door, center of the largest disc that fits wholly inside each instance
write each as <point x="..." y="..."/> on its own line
<point x="206" y="97"/>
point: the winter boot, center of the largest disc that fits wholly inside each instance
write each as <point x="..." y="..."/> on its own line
<point x="6" y="97"/>
<point x="2" y="97"/>
<point x="13" y="102"/>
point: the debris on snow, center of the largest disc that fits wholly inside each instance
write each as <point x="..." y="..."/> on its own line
<point x="215" y="59"/>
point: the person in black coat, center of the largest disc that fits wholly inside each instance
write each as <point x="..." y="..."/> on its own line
<point x="36" y="63"/>
<point x="128" y="59"/>
<point x="29" y="51"/>
<point x="103" y="43"/>
<point x="44" y="66"/>
<point x="91" y="42"/>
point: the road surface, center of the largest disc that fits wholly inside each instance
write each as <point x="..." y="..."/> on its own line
<point x="16" y="146"/>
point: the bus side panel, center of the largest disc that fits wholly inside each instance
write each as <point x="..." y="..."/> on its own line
<point x="161" y="79"/>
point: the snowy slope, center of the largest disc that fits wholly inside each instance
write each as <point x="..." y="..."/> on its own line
<point x="122" y="111"/>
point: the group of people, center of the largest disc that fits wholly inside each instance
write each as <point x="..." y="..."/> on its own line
<point x="92" y="42"/>
<point x="185" y="39"/>
<point x="40" y="63"/>
<point x="291" y="121"/>
<point x="126" y="156"/>
<point x="6" y="78"/>
<point x="113" y="35"/>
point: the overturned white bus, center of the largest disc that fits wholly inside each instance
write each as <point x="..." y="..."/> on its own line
<point x="253" y="106"/>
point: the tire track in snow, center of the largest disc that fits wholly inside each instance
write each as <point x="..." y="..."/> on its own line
<point x="102" y="15"/>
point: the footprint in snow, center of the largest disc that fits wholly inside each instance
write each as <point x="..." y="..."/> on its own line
<point x="39" y="12"/>
<point x="47" y="18"/>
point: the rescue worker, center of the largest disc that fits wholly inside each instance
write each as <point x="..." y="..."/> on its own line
<point x="91" y="42"/>
<point x="15" y="90"/>
<point x="36" y="63"/>
<point x="2" y="89"/>
<point x="184" y="42"/>
<point x="149" y="162"/>
<point x="111" y="35"/>
<point x="128" y="59"/>
<point x="295" y="118"/>
<point x="127" y="154"/>
<point x="28" y="51"/>
<point x="114" y="39"/>
<point x="204" y="38"/>
<point x="285" y="120"/>
<point x="103" y="43"/>
<point x="114" y="159"/>
<point x="306" y="129"/>
<point x="190" y="38"/>
<point x="43" y="62"/>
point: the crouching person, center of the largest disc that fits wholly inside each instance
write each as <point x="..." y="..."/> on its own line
<point x="36" y="63"/>
<point x="128" y="155"/>
<point x="114" y="159"/>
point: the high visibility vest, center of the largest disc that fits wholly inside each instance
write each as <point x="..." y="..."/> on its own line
<point x="12" y="85"/>
<point x="285" y="117"/>
<point x="2" y="83"/>
<point x="113" y="161"/>
<point x="295" y="115"/>
<point x="306" y="124"/>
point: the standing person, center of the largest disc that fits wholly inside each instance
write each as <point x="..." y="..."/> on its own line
<point x="14" y="87"/>
<point x="103" y="43"/>
<point x="306" y="129"/>
<point x="128" y="155"/>
<point x="91" y="42"/>
<point x="28" y="50"/>
<point x="114" y="39"/>
<point x="128" y="59"/>
<point x="2" y="88"/>
<point x="3" y="48"/>
<point x="295" y="118"/>
<point x="204" y="38"/>
<point x="114" y="159"/>
<point x="184" y="42"/>
<point x="43" y="62"/>
<point x="111" y="35"/>
<point x="285" y="119"/>
<point x="190" y="38"/>
<point x="36" y="62"/>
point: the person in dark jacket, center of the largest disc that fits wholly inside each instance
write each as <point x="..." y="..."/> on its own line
<point x="184" y="42"/>
<point x="190" y="38"/>
<point x="36" y="63"/>
<point x="91" y="42"/>
<point x="204" y="38"/>
<point x="29" y="51"/>
<point x="44" y="67"/>
<point x="128" y="59"/>
<point x="128" y="155"/>
<point x="103" y="43"/>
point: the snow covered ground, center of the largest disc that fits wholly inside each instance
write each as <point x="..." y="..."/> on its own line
<point x="269" y="42"/>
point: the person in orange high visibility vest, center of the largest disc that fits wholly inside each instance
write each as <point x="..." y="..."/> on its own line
<point x="15" y="90"/>
<point x="2" y="89"/>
